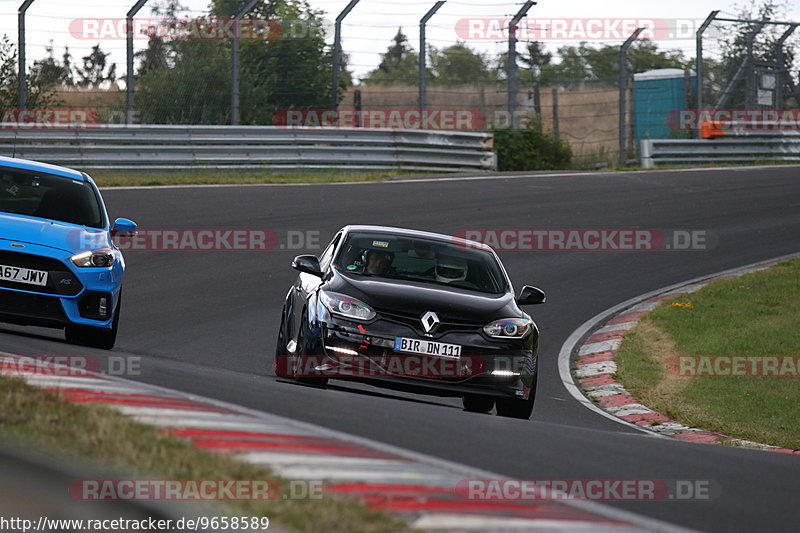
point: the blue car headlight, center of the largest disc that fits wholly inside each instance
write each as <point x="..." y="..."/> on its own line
<point x="104" y="257"/>
<point x="508" y="328"/>
<point x="346" y="306"/>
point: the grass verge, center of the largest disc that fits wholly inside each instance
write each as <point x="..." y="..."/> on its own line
<point x="753" y="315"/>
<point x="107" y="178"/>
<point x="37" y="418"/>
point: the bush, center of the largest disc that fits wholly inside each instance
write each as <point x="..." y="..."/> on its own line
<point x="530" y="149"/>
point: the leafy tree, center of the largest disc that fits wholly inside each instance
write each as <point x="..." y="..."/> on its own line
<point x="734" y="51"/>
<point x="39" y="93"/>
<point x="459" y="64"/>
<point x="584" y="63"/>
<point x="535" y="60"/>
<point x="155" y="56"/>
<point x="455" y="65"/>
<point x="96" y="70"/>
<point x="53" y="73"/>
<point x="530" y="148"/>
<point x="571" y="70"/>
<point x="399" y="64"/>
<point x="189" y="80"/>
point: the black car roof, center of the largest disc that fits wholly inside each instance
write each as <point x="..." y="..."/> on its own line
<point x="416" y="233"/>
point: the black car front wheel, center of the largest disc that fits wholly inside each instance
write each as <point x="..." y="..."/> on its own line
<point x="514" y="408"/>
<point x="298" y="363"/>
<point x="477" y="404"/>
<point x="281" y="363"/>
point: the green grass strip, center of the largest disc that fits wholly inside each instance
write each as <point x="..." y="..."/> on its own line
<point x="37" y="419"/>
<point x="108" y="178"/>
<point x="757" y="314"/>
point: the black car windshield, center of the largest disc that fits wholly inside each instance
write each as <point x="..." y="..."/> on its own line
<point x="49" y="196"/>
<point x="422" y="260"/>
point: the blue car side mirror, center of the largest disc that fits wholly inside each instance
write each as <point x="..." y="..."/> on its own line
<point x="123" y="228"/>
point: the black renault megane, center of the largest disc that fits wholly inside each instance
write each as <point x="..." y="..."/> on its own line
<point x="414" y="311"/>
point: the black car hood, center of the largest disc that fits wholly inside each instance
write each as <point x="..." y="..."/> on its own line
<point x="414" y="298"/>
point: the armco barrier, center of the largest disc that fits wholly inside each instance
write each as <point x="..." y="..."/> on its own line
<point x="149" y="147"/>
<point x="658" y="152"/>
<point x="726" y="142"/>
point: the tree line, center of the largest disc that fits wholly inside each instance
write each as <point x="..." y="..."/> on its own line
<point x="188" y="80"/>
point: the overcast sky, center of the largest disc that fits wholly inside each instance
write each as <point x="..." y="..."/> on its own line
<point x="369" y="28"/>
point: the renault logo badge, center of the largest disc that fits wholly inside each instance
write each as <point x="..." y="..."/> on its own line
<point x="430" y="322"/>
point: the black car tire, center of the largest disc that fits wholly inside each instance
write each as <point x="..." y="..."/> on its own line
<point x="477" y="404"/>
<point x="280" y="365"/>
<point x="301" y="341"/>
<point x="95" y="337"/>
<point x="515" y="408"/>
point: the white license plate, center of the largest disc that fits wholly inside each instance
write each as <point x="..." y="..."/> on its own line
<point x="439" y="349"/>
<point x="23" y="275"/>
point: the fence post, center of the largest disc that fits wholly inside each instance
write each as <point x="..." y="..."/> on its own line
<point x="647" y="157"/>
<point x="699" y="65"/>
<point x="22" y="89"/>
<point x="623" y="89"/>
<point x="423" y="55"/>
<point x="782" y="72"/>
<point x="337" y="53"/>
<point x="235" y="111"/>
<point x="555" y="112"/>
<point x="357" y="106"/>
<point x="129" y="94"/>
<point x="511" y="68"/>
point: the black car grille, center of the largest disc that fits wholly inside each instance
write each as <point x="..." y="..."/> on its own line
<point x="413" y="321"/>
<point x="31" y="308"/>
<point x="60" y="280"/>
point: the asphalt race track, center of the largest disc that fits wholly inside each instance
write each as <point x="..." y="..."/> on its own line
<point x="205" y="321"/>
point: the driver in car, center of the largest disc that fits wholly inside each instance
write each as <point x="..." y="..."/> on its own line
<point x="378" y="262"/>
<point x="449" y="270"/>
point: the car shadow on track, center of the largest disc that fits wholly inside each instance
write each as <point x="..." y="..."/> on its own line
<point x="30" y="334"/>
<point x="370" y="393"/>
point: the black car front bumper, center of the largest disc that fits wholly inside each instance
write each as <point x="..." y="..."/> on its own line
<point x="365" y="352"/>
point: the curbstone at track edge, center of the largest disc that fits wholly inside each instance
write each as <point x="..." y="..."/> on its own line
<point x="587" y="366"/>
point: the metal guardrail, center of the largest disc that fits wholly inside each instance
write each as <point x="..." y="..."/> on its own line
<point x="745" y="148"/>
<point x="149" y="147"/>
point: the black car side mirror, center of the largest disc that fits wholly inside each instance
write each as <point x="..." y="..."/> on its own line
<point x="531" y="296"/>
<point x="308" y="264"/>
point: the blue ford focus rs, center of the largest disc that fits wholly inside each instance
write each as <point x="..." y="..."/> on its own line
<point x="59" y="266"/>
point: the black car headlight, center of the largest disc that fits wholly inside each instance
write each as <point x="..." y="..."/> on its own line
<point x="346" y="306"/>
<point x="508" y="328"/>
<point x="104" y="257"/>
